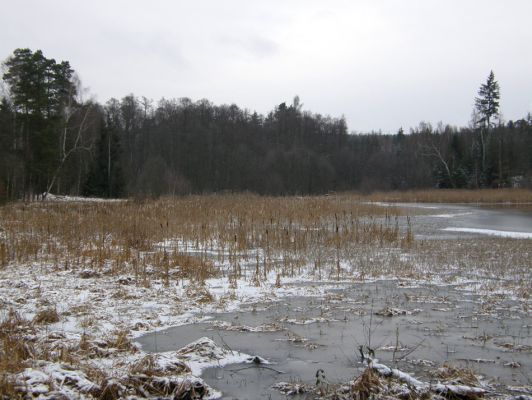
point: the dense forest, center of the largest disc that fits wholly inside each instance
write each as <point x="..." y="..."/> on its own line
<point x="54" y="141"/>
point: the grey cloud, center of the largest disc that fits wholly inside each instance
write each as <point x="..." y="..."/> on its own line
<point x="381" y="64"/>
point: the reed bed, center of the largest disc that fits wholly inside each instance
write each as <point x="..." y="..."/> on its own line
<point x="242" y="236"/>
<point x="480" y="196"/>
<point x="157" y="245"/>
<point x="186" y="237"/>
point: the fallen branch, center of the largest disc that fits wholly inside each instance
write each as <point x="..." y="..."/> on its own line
<point x="462" y="391"/>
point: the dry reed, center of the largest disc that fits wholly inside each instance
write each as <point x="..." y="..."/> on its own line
<point x="481" y="196"/>
<point x="184" y="238"/>
<point x="237" y="237"/>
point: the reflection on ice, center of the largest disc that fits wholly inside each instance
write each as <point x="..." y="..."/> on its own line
<point x="492" y="232"/>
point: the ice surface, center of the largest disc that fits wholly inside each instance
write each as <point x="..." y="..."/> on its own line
<point x="492" y="232"/>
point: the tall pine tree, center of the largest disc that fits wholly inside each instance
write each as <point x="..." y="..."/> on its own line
<point x="487" y="112"/>
<point x="39" y="89"/>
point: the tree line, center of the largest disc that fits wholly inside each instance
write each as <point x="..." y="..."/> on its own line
<point x="54" y="141"/>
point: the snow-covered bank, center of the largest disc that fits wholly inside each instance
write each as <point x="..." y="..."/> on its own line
<point x="172" y="374"/>
<point x="73" y="199"/>
<point x="98" y="312"/>
<point x="78" y="324"/>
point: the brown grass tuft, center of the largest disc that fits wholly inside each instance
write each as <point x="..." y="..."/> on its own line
<point x="149" y="365"/>
<point x="121" y="342"/>
<point x="366" y="385"/>
<point x="46" y="316"/>
<point x="454" y="375"/>
<point x="199" y="293"/>
<point x="111" y="390"/>
<point x="16" y="350"/>
<point x="7" y="388"/>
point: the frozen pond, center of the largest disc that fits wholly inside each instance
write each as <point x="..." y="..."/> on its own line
<point x="434" y="323"/>
<point x="444" y="221"/>
<point x="441" y="324"/>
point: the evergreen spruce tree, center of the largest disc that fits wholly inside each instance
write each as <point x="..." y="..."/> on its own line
<point x="487" y="102"/>
<point x="487" y="111"/>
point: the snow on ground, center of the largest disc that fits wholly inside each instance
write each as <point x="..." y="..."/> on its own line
<point x="204" y="353"/>
<point x="452" y="215"/>
<point x="98" y="310"/>
<point x="410" y="205"/>
<point x="492" y="232"/>
<point x="58" y="198"/>
<point x="95" y="307"/>
<point x="103" y="303"/>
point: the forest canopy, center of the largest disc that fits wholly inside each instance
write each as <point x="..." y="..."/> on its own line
<point x="54" y="141"/>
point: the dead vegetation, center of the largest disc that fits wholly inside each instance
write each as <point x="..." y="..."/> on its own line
<point x="60" y="368"/>
<point x="150" y="365"/>
<point x="456" y="376"/>
<point x="46" y="316"/>
<point x="14" y="352"/>
<point x="366" y="385"/>
<point x="378" y="381"/>
<point x="240" y="237"/>
<point x="16" y="348"/>
<point x="483" y="196"/>
<point x="188" y="240"/>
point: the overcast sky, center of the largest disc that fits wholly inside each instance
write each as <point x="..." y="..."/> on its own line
<point x="382" y="64"/>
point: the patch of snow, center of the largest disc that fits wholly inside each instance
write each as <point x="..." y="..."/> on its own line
<point x="295" y="321"/>
<point x="449" y="215"/>
<point x="49" y="376"/>
<point x="445" y="390"/>
<point x="59" y="198"/>
<point x="205" y="353"/>
<point x="411" y="205"/>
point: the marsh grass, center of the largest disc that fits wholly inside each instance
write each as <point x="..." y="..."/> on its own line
<point x="16" y="349"/>
<point x="172" y="241"/>
<point x="481" y="196"/>
<point x="248" y="237"/>
<point x="46" y="316"/>
<point x="366" y="386"/>
<point x="184" y="238"/>
<point x="457" y="376"/>
<point x="188" y="240"/>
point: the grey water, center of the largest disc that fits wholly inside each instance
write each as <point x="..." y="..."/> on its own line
<point x="446" y="325"/>
<point x="443" y="324"/>
<point x="436" y="217"/>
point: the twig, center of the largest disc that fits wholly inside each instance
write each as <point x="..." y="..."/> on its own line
<point x="256" y="366"/>
<point x="224" y="342"/>
<point x="410" y="351"/>
<point x="396" y="344"/>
